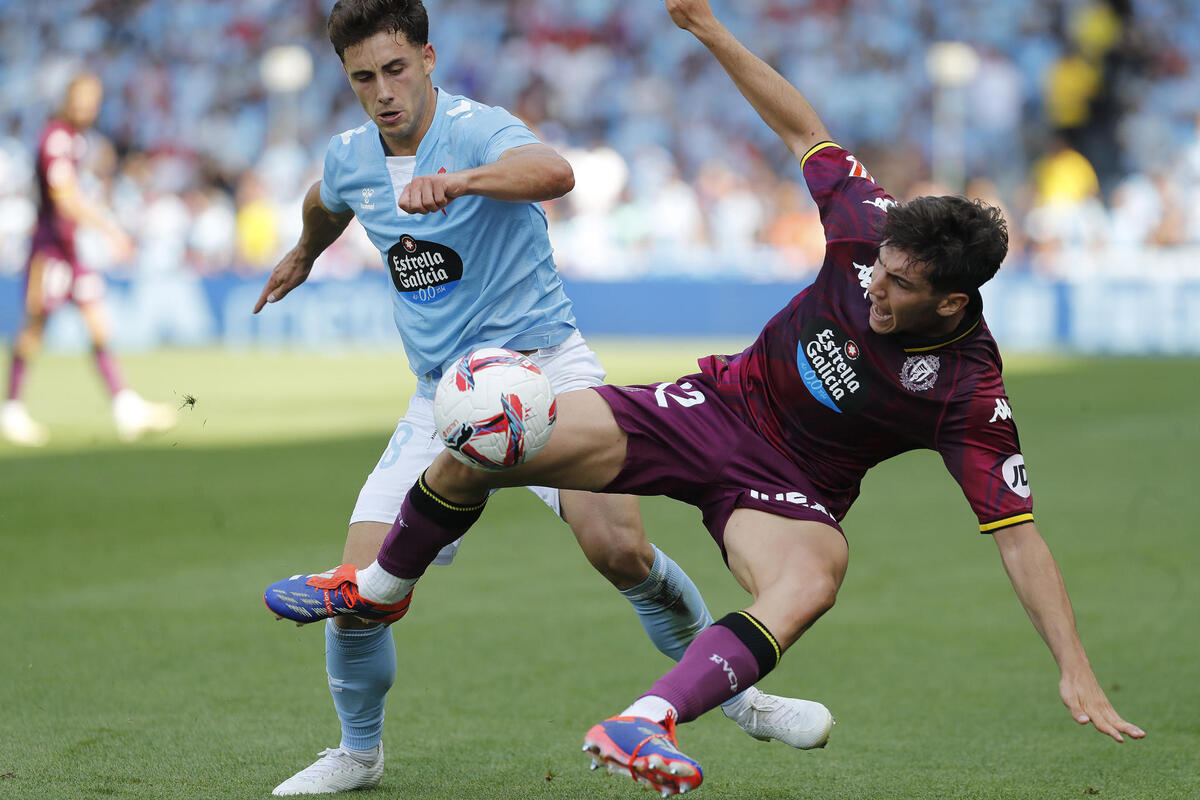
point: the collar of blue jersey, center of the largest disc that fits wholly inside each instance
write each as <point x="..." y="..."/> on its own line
<point x="970" y="324"/>
<point x="430" y="135"/>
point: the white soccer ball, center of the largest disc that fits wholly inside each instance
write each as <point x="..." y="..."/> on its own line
<point x="494" y="409"/>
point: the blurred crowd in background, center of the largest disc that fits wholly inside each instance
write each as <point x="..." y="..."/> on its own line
<point x="1080" y="118"/>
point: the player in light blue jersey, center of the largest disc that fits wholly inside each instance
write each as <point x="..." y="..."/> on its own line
<point x="448" y="190"/>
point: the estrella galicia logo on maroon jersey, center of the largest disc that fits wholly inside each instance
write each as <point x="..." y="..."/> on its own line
<point x="423" y="272"/>
<point x="825" y="357"/>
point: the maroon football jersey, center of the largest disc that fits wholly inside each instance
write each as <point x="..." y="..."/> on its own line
<point x="838" y="398"/>
<point x="60" y="150"/>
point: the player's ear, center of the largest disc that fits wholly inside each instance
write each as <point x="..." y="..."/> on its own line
<point x="428" y="58"/>
<point x="952" y="303"/>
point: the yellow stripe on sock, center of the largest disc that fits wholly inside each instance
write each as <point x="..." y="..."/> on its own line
<point x="761" y="629"/>
<point x="442" y="502"/>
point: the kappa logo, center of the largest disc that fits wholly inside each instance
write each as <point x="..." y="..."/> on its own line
<point x="882" y="203"/>
<point x="920" y="373"/>
<point x="864" y="276"/>
<point x="366" y="203"/>
<point x="1003" y="411"/>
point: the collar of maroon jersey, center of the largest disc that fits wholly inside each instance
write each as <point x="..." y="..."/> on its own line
<point x="970" y="324"/>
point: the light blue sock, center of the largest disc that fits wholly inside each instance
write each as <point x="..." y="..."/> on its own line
<point x="361" y="664"/>
<point x="670" y="608"/>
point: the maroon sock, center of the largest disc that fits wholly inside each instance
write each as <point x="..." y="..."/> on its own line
<point x="109" y="370"/>
<point x="726" y="658"/>
<point x="427" y="523"/>
<point x="16" y="377"/>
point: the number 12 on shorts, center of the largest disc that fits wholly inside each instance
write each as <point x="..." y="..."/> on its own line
<point x="693" y="397"/>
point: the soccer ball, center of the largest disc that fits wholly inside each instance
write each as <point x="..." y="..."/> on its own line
<point x="494" y="409"/>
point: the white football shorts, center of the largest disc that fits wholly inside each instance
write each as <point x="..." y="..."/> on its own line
<point x="414" y="444"/>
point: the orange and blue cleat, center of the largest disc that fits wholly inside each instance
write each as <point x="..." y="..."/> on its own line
<point x="308" y="598"/>
<point x="644" y="750"/>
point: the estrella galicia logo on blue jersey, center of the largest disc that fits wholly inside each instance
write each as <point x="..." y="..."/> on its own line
<point x="828" y="362"/>
<point x="423" y="272"/>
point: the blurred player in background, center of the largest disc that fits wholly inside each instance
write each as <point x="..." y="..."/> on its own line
<point x="449" y="191"/>
<point x="55" y="275"/>
<point x="886" y="352"/>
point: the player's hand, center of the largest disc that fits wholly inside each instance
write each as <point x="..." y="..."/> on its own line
<point x="291" y="271"/>
<point x="429" y="193"/>
<point x="689" y="14"/>
<point x="1087" y="703"/>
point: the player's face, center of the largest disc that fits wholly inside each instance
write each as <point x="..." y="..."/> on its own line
<point x="82" y="104"/>
<point x="390" y="76"/>
<point x="903" y="301"/>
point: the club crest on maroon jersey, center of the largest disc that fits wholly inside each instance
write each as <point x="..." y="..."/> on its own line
<point x="920" y="373"/>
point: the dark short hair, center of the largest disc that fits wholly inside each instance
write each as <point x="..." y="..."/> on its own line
<point x="961" y="241"/>
<point x="352" y="21"/>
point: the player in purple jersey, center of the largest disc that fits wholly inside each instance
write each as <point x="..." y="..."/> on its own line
<point x="55" y="276"/>
<point x="886" y="352"/>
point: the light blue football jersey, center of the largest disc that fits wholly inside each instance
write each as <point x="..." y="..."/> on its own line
<point x="479" y="273"/>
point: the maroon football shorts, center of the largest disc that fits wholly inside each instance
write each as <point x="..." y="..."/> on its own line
<point x="685" y="443"/>
<point x="62" y="279"/>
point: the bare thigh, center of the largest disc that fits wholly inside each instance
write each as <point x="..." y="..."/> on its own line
<point x="586" y="451"/>
<point x="793" y="568"/>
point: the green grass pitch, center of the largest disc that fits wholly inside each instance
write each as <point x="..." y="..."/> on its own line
<point x="137" y="659"/>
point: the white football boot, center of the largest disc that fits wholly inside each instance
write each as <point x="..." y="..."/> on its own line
<point x="801" y="723"/>
<point x="335" y="771"/>
<point x="19" y="428"/>
<point x="135" y="417"/>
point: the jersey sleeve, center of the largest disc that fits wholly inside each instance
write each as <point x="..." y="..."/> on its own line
<point x="493" y="131"/>
<point x="852" y="205"/>
<point x="331" y="176"/>
<point x="980" y="447"/>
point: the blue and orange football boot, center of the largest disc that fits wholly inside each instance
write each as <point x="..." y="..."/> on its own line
<point x="308" y="598"/>
<point x="644" y="750"/>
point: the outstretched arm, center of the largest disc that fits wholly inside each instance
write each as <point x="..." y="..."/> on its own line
<point x="779" y="103"/>
<point x="321" y="228"/>
<point x="530" y="173"/>
<point x="1039" y="585"/>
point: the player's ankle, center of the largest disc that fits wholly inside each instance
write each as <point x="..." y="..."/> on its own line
<point x="650" y="707"/>
<point x="382" y="587"/>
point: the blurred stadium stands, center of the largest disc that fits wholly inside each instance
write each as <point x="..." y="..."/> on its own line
<point x="1080" y="117"/>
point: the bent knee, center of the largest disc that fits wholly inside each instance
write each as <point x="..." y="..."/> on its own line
<point x="624" y="566"/>
<point x="806" y="599"/>
<point x="618" y="552"/>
